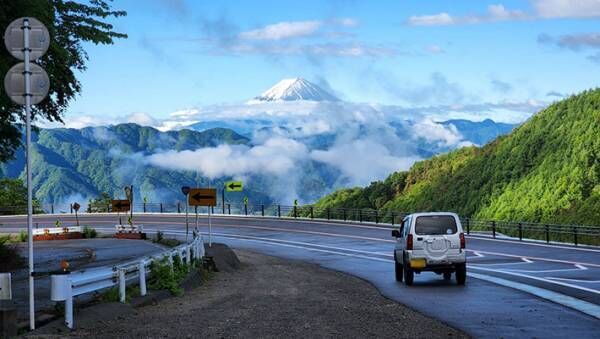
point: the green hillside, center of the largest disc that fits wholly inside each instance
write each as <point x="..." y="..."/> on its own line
<point x="82" y="163"/>
<point x="546" y="170"/>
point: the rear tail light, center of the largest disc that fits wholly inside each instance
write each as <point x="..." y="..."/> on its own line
<point x="409" y="242"/>
<point x="462" y="240"/>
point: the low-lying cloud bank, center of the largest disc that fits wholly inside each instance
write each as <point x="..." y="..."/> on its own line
<point x="299" y="144"/>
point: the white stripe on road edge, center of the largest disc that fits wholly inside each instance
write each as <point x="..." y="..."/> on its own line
<point x="532" y="243"/>
<point x="565" y="300"/>
<point x="577" y="280"/>
<point x="477" y="267"/>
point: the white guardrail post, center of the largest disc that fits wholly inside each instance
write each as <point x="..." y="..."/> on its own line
<point x="62" y="290"/>
<point x="122" y="284"/>
<point x="67" y="285"/>
<point x="142" y="274"/>
<point x="5" y="286"/>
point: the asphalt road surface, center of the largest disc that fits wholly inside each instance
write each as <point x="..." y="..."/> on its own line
<point x="514" y="289"/>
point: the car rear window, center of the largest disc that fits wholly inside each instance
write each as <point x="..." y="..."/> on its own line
<point x="435" y="224"/>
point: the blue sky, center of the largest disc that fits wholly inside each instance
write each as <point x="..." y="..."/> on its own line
<point x="190" y="54"/>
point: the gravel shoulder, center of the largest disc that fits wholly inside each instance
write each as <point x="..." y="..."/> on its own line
<point x="266" y="297"/>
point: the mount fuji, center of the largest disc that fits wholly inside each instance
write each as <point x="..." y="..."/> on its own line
<point x="294" y="89"/>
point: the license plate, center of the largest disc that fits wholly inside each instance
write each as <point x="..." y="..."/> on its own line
<point x="418" y="263"/>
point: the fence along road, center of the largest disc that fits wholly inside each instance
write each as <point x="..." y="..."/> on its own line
<point x="520" y="287"/>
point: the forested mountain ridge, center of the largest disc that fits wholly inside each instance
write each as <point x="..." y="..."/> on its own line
<point x="82" y="163"/>
<point x="547" y="170"/>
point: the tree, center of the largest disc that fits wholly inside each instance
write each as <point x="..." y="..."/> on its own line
<point x="70" y="24"/>
<point x="13" y="197"/>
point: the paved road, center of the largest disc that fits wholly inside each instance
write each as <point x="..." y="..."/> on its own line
<point x="515" y="289"/>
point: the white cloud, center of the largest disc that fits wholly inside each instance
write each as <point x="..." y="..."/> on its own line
<point x="440" y="19"/>
<point x="567" y="8"/>
<point x="434" y="49"/>
<point x="363" y="160"/>
<point x="283" y="30"/>
<point x="494" y="13"/>
<point x="431" y="131"/>
<point x="143" y="119"/>
<point x="276" y="156"/>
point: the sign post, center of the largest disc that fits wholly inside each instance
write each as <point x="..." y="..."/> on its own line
<point x="231" y="186"/>
<point x="203" y="197"/>
<point x="186" y="190"/>
<point x="27" y="39"/>
<point x="76" y="207"/>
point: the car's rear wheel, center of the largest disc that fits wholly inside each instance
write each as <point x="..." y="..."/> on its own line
<point x="447" y="276"/>
<point x="409" y="276"/>
<point x="399" y="271"/>
<point x="461" y="274"/>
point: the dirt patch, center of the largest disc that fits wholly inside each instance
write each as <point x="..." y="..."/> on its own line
<point x="270" y="297"/>
<point x="224" y="258"/>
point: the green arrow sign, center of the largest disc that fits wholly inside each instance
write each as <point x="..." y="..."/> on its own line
<point x="245" y="200"/>
<point x="234" y="186"/>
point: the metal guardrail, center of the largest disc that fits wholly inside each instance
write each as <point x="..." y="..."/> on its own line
<point x="548" y="232"/>
<point x="64" y="287"/>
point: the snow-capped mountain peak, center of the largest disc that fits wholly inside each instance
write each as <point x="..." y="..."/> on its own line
<point x="295" y="89"/>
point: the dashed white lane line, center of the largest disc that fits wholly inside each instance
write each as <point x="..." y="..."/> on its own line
<point x="526" y="260"/>
<point x="581" y="267"/>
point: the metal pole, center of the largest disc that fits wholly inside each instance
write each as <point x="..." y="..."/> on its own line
<point x="209" y="227"/>
<point x="27" y="74"/>
<point x="187" y="225"/>
<point x="223" y="199"/>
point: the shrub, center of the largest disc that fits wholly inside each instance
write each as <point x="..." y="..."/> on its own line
<point x="159" y="236"/>
<point x="22" y="236"/>
<point x="9" y="257"/>
<point x="89" y="232"/>
<point x="165" y="277"/>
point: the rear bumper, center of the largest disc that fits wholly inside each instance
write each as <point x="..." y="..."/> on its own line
<point x="422" y="263"/>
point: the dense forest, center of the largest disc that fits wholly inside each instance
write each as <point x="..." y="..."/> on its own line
<point x="546" y="170"/>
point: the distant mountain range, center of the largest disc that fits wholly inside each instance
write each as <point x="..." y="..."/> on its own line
<point x="325" y="150"/>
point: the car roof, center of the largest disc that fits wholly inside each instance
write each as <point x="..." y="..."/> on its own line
<point x="422" y="214"/>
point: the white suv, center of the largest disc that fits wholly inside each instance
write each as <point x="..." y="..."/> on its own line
<point x="430" y="242"/>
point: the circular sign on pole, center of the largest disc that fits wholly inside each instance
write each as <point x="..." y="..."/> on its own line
<point x="76" y="206"/>
<point x="185" y="190"/>
<point x="14" y="83"/>
<point x="39" y="38"/>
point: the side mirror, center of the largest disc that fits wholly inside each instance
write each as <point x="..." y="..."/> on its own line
<point x="395" y="233"/>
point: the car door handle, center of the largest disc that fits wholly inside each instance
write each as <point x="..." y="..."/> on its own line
<point x="420" y="239"/>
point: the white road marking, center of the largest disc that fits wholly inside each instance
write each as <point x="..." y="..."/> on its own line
<point x="577" y="280"/>
<point x="478" y="254"/>
<point x="526" y="260"/>
<point x="565" y="300"/>
<point x="581" y="267"/>
<point x="476" y="267"/>
<point x="544" y="271"/>
<point x="535" y="244"/>
<point x="479" y="263"/>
